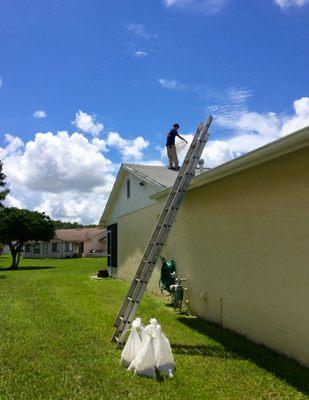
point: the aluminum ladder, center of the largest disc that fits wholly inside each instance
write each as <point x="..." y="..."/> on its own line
<point x="160" y="232"/>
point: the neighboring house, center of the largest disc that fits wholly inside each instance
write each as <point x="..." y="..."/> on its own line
<point x="4" y="249"/>
<point x="132" y="191"/>
<point x="240" y="238"/>
<point x="81" y="242"/>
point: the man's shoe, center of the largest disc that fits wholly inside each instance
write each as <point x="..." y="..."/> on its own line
<point x="177" y="168"/>
<point x="172" y="168"/>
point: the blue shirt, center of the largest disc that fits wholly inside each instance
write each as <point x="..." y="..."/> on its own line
<point x="171" y="137"/>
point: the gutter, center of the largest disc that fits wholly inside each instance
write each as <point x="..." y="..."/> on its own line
<point x="280" y="147"/>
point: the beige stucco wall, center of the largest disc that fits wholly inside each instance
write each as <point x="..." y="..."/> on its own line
<point x="94" y="244"/>
<point x="243" y="244"/>
<point x="134" y="230"/>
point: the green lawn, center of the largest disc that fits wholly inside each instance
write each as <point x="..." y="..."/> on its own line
<point x="55" y="329"/>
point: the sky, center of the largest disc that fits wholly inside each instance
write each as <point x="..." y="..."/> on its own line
<point x="88" y="85"/>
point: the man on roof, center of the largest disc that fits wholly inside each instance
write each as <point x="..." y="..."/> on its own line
<point x="171" y="148"/>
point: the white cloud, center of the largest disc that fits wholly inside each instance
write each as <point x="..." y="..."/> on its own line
<point x="69" y="176"/>
<point x="299" y="120"/>
<point x="57" y="162"/>
<point x="72" y="206"/>
<point x="290" y="3"/>
<point x="141" y="31"/>
<point x="244" y="130"/>
<point x="140" y="54"/>
<point x="171" y="84"/>
<point x="14" y="145"/>
<point x="205" y="6"/>
<point x="250" y="130"/>
<point x="65" y="175"/>
<point x="131" y="150"/>
<point x="215" y="153"/>
<point x="39" y="114"/>
<point x="87" y="123"/>
<point x="11" y="201"/>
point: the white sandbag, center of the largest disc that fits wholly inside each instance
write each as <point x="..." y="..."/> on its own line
<point x="144" y="363"/>
<point x="143" y="333"/>
<point x="133" y="345"/>
<point x="164" y="359"/>
<point x="151" y="328"/>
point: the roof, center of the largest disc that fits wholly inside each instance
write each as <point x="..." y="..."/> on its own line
<point x="164" y="178"/>
<point x="80" y="234"/>
<point x="287" y="144"/>
<point x="159" y="175"/>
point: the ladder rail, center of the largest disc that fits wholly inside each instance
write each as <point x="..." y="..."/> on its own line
<point x="155" y="238"/>
<point x="131" y="303"/>
<point x="170" y="217"/>
<point x="139" y="290"/>
<point x="161" y="231"/>
<point x="161" y="219"/>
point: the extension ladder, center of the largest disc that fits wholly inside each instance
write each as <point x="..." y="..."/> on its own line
<point x="160" y="232"/>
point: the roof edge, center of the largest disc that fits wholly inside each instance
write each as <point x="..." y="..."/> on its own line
<point x="140" y="175"/>
<point x="275" y="149"/>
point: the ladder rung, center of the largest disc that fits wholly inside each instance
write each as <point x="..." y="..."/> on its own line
<point x="131" y="298"/>
<point x="164" y="225"/>
<point x="147" y="262"/>
<point x="139" y="280"/>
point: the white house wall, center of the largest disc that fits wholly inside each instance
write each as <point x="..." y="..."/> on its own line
<point x="139" y="197"/>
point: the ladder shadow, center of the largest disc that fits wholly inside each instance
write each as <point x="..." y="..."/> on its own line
<point x="284" y="368"/>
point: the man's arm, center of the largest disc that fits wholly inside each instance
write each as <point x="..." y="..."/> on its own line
<point x="180" y="137"/>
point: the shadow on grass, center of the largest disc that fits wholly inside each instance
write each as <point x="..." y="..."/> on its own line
<point x="28" y="268"/>
<point x="282" y="367"/>
<point x="204" y="350"/>
<point x="2" y="276"/>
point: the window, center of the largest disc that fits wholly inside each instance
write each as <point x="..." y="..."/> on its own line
<point x="69" y="247"/>
<point x="128" y="189"/>
<point x="36" y="249"/>
<point x="55" y="247"/>
<point x="45" y="248"/>
<point x="28" y="248"/>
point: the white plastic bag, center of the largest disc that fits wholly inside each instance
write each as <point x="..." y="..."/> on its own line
<point x="164" y="359"/>
<point x="133" y="345"/>
<point x="148" y="330"/>
<point x="144" y="334"/>
<point x="144" y="363"/>
<point x="151" y="328"/>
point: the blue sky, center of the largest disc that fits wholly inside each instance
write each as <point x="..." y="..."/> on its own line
<point x="136" y="67"/>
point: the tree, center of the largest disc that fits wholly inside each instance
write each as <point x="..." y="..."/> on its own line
<point x="67" y="225"/>
<point x="71" y="225"/>
<point x="3" y="193"/>
<point x="18" y="227"/>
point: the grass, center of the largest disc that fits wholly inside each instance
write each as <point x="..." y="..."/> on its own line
<point x="55" y="329"/>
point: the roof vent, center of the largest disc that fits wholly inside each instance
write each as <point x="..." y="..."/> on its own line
<point x="201" y="165"/>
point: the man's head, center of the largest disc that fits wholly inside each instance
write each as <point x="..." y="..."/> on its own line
<point x="176" y="126"/>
